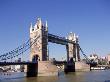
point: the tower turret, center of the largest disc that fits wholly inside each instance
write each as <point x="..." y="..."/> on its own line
<point x="31" y="28"/>
<point x="46" y="26"/>
<point x="73" y="49"/>
<point x="39" y="23"/>
<point x="39" y="48"/>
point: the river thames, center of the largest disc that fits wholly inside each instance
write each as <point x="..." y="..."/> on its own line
<point x="91" y="76"/>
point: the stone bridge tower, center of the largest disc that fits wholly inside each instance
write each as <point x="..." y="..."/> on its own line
<point x="73" y="49"/>
<point x="39" y="48"/>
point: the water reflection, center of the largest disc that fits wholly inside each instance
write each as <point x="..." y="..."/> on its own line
<point x="92" y="76"/>
<point x="107" y="81"/>
<point x="43" y="79"/>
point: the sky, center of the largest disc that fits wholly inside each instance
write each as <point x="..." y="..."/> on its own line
<point x="89" y="19"/>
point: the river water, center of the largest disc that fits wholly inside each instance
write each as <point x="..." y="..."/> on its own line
<point x="91" y="76"/>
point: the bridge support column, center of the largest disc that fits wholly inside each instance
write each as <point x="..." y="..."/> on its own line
<point x="39" y="31"/>
<point x="72" y="47"/>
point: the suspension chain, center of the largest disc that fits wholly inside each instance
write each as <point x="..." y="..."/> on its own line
<point x="19" y="50"/>
<point x="88" y="60"/>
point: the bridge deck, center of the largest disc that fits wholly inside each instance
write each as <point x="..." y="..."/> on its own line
<point x="59" y="40"/>
<point x="16" y="63"/>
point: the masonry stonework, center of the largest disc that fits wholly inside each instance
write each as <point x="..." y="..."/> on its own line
<point x="39" y="48"/>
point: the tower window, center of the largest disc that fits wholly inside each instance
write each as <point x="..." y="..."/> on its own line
<point x="37" y="27"/>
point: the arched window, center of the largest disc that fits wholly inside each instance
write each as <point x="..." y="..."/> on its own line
<point x="35" y="58"/>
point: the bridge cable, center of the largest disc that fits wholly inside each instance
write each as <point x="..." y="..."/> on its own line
<point x="19" y="50"/>
<point x="88" y="60"/>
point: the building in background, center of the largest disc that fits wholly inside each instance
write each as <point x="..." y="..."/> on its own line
<point x="103" y="60"/>
<point x="94" y="58"/>
<point x="108" y="58"/>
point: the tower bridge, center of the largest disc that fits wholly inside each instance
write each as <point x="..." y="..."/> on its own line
<point x="38" y="43"/>
<point x="40" y="46"/>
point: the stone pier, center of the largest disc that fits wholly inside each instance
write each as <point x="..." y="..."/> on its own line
<point x="46" y="68"/>
<point x="32" y="70"/>
<point x="81" y="66"/>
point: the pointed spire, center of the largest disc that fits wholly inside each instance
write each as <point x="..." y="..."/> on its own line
<point x="31" y="29"/>
<point x="46" y="26"/>
<point x="39" y="23"/>
<point x="31" y="25"/>
<point x="77" y="37"/>
<point x="74" y="37"/>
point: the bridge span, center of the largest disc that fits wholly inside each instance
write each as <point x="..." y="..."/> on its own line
<point x="16" y="63"/>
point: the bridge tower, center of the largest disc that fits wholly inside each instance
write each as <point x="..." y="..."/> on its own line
<point x="73" y="49"/>
<point x="39" y="48"/>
